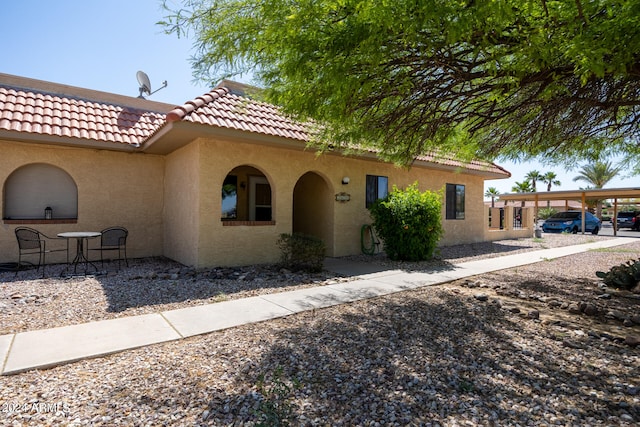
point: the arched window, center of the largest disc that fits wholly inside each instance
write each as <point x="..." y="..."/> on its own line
<point x="32" y="188"/>
<point x="246" y="196"/>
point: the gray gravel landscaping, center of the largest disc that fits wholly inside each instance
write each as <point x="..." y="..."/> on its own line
<point x="543" y="344"/>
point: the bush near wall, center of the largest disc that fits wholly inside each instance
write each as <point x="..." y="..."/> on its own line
<point x="545" y="213"/>
<point x="409" y="223"/>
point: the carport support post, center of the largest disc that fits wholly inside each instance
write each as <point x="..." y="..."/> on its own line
<point x="615" y="217"/>
<point x="536" y="229"/>
<point x="584" y="217"/>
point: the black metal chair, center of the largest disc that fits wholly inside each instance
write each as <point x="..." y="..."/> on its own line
<point x="33" y="242"/>
<point x="114" y="239"/>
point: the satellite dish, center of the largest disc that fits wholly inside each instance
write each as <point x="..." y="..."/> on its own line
<point x="145" y="84"/>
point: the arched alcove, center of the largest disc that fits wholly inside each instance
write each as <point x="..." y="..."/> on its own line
<point x="32" y="188"/>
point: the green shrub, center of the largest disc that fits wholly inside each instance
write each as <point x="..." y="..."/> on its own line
<point x="545" y="213"/>
<point x="301" y="252"/>
<point x="409" y="223"/>
<point x="276" y="408"/>
<point x="623" y="276"/>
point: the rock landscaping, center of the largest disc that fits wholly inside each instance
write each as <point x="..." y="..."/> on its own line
<point x="543" y="344"/>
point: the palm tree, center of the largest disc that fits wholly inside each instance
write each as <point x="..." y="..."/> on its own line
<point x="549" y="178"/>
<point x="598" y="175"/>
<point x="492" y="192"/>
<point x="522" y="187"/>
<point x="533" y="177"/>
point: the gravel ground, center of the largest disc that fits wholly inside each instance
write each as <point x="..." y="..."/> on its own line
<point x="543" y="344"/>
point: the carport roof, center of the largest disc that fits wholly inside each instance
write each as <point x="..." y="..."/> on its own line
<point x="591" y="194"/>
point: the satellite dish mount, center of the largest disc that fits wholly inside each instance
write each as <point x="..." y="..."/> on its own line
<point x="145" y="84"/>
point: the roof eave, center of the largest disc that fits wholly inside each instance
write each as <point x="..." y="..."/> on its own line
<point x="35" y="138"/>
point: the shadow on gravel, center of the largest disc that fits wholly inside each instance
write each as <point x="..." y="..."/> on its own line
<point x="409" y="361"/>
<point x="158" y="281"/>
<point x="482" y="248"/>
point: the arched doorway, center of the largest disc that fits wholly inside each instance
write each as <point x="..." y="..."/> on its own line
<point x="313" y="208"/>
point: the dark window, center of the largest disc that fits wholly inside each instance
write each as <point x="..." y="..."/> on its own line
<point x="377" y="188"/>
<point x="455" y="201"/>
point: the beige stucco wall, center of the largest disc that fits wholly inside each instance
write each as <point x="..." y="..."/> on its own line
<point x="494" y="232"/>
<point x="193" y="200"/>
<point x="114" y="188"/>
<point x="182" y="194"/>
<point x="172" y="204"/>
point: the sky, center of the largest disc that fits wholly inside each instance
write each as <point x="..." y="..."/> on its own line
<point x="98" y="45"/>
<point x="101" y="45"/>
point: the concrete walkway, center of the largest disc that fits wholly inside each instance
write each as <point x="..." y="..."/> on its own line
<point x="50" y="347"/>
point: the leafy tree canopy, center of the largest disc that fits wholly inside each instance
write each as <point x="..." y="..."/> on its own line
<point x="516" y="79"/>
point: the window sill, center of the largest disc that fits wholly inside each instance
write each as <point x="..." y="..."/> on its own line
<point x="232" y="223"/>
<point x="41" y="221"/>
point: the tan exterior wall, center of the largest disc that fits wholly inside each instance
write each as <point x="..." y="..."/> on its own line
<point x="221" y="244"/>
<point x="182" y="194"/>
<point x="172" y="204"/>
<point x="508" y="232"/>
<point x="114" y="188"/>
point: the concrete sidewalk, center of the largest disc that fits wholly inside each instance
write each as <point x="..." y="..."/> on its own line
<point x="50" y="347"/>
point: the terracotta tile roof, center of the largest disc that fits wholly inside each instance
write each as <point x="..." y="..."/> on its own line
<point x="51" y="110"/>
<point x="223" y="108"/>
<point x="50" y="114"/>
<point x="475" y="165"/>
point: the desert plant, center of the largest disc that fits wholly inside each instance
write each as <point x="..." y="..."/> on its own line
<point x="545" y="213"/>
<point x="409" y="223"/>
<point x="275" y="408"/>
<point x="623" y="276"/>
<point x="301" y="252"/>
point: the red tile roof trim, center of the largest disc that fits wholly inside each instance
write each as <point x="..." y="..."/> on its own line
<point x="223" y="108"/>
<point x="102" y="117"/>
<point x="38" y="112"/>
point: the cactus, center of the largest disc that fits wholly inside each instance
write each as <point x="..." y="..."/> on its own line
<point x="623" y="276"/>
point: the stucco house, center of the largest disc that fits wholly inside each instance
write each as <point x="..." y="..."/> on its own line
<point x="213" y="182"/>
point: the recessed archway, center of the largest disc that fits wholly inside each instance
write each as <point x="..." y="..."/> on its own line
<point x="33" y="187"/>
<point x="313" y="208"/>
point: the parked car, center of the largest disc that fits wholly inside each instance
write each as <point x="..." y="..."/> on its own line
<point x="626" y="219"/>
<point x="636" y="222"/>
<point x="571" y="222"/>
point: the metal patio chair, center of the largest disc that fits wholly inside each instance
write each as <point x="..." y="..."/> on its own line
<point x="114" y="239"/>
<point x="33" y="242"/>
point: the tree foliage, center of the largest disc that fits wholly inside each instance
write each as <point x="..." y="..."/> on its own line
<point x="550" y="178"/>
<point x="597" y="174"/>
<point x="514" y="78"/>
<point x="493" y="194"/>
<point x="533" y="177"/>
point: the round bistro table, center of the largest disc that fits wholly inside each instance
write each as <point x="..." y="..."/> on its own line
<point x="82" y="238"/>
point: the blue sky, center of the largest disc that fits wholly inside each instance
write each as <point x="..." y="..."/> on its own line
<point x="101" y="44"/>
<point x="97" y="44"/>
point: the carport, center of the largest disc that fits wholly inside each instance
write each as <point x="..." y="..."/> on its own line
<point x="577" y="195"/>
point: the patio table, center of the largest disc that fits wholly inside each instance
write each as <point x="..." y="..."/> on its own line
<point x="82" y="238"/>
